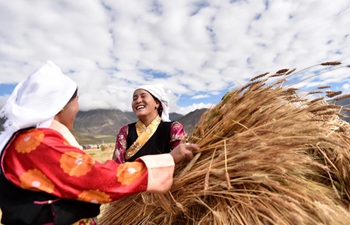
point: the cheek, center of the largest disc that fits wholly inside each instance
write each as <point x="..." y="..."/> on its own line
<point x="73" y="109"/>
<point x="76" y="109"/>
<point x="133" y="106"/>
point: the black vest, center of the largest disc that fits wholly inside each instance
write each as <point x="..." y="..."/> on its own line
<point x="18" y="207"/>
<point x="157" y="144"/>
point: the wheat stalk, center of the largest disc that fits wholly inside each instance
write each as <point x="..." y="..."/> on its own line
<point x="268" y="156"/>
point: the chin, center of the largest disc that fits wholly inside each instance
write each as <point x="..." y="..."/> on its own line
<point x="140" y="113"/>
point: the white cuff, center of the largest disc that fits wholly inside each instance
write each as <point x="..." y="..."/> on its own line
<point x="160" y="172"/>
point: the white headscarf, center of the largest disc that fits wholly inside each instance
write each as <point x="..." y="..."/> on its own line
<point x="36" y="100"/>
<point x="157" y="91"/>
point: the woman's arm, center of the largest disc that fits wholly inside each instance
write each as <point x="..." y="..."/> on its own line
<point x="42" y="160"/>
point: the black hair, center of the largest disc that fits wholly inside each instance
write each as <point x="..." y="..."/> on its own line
<point x="74" y="95"/>
<point x="160" y="108"/>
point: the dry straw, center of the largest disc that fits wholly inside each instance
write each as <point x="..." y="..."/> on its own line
<point x="267" y="156"/>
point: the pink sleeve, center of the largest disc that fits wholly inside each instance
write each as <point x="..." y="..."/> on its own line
<point x="120" y="145"/>
<point x="177" y="134"/>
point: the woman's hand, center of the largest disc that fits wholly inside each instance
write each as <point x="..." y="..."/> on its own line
<point x="183" y="152"/>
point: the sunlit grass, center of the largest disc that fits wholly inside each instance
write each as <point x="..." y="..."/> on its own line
<point x="100" y="155"/>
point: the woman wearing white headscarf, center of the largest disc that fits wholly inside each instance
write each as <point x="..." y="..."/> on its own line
<point x="153" y="133"/>
<point x="44" y="176"/>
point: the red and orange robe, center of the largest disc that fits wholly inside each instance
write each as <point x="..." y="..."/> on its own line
<point x="41" y="159"/>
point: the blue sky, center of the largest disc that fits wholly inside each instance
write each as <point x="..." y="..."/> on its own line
<point x="198" y="49"/>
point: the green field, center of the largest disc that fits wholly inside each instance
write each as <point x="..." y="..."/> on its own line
<point x="100" y="155"/>
<point x="88" y="138"/>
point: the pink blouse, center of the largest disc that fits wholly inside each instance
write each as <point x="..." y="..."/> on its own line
<point x="177" y="134"/>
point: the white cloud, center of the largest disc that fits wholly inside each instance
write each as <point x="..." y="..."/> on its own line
<point x="346" y="86"/>
<point x="200" y="96"/>
<point x="190" y="108"/>
<point x="3" y="99"/>
<point x="202" y="46"/>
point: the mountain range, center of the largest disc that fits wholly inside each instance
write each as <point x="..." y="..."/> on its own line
<point x="102" y="125"/>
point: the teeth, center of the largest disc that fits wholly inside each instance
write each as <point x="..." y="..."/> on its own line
<point x="140" y="107"/>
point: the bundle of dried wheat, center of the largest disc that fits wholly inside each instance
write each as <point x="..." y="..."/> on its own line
<point x="268" y="156"/>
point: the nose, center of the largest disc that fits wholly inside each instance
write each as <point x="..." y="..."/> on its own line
<point x="137" y="99"/>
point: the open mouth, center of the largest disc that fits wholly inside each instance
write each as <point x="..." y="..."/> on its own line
<point x="140" y="107"/>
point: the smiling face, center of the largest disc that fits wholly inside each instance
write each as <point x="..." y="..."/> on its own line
<point x="144" y="105"/>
